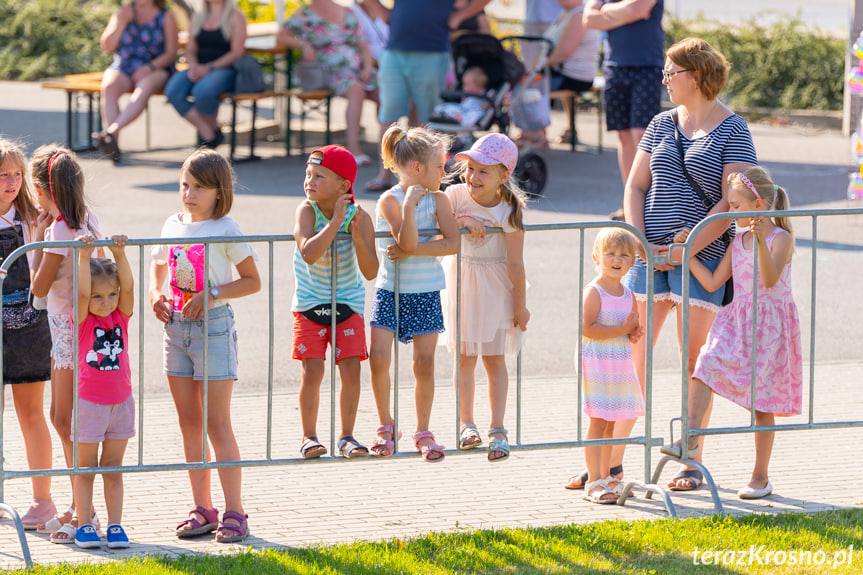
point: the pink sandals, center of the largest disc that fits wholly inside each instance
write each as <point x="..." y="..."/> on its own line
<point x="428" y="450"/>
<point x="384" y="447"/>
<point x="192" y="526"/>
<point x="241" y="528"/>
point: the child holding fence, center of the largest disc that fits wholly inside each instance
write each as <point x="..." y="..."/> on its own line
<point x="724" y="366"/>
<point x="609" y="325"/>
<point x="106" y="407"/>
<point x="418" y="157"/>
<point x="493" y="301"/>
<point x="59" y="184"/>
<point x="207" y="194"/>
<point x="328" y="210"/>
<point x="26" y="336"/>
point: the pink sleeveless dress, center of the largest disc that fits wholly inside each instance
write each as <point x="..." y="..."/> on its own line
<point x="611" y="390"/>
<point x="725" y="361"/>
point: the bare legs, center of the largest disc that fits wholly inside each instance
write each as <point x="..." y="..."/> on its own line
<point x="423" y="369"/>
<point x="114" y="85"/>
<point x="188" y="399"/>
<point x="112" y="456"/>
<point x="598" y="457"/>
<point x="498" y="387"/>
<point x="206" y="125"/>
<point x="310" y="394"/>
<point x="627" y="146"/>
<point x="27" y="398"/>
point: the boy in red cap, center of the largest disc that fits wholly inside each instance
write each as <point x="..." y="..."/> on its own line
<point x="329" y="209"/>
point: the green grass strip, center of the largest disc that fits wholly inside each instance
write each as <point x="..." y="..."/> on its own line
<point x="826" y="542"/>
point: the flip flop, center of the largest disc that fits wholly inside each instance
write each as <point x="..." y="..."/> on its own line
<point x="694" y="476"/>
<point x="378" y="185"/>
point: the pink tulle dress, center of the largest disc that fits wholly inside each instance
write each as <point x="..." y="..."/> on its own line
<point x="486" y="302"/>
<point x="725" y="361"/>
<point x="611" y="390"/>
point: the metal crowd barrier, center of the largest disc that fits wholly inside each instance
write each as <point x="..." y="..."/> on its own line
<point x="143" y="309"/>
<point x="686" y="431"/>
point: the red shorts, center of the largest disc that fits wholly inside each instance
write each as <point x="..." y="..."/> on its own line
<point x="311" y="338"/>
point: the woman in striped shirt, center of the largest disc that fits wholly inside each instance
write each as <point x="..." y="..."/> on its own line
<point x="660" y="201"/>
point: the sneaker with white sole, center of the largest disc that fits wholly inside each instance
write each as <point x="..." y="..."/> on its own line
<point x="117" y="538"/>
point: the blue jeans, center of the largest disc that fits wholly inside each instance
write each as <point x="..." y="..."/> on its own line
<point x="205" y="92"/>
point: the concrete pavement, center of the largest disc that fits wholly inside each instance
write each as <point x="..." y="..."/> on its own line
<point x="335" y="500"/>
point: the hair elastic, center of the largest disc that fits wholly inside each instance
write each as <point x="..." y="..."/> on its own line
<point x="50" y="184"/>
<point x="749" y="185"/>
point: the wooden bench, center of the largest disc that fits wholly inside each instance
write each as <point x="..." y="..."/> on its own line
<point x="89" y="85"/>
<point x="573" y="99"/>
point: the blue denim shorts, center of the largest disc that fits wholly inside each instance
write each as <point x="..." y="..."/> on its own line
<point x="668" y="286"/>
<point x="184" y="346"/>
<point x="406" y="76"/>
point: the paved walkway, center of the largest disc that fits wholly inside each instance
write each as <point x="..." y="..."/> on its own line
<point x="336" y="500"/>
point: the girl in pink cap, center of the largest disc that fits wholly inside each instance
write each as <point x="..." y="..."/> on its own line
<point x="493" y="307"/>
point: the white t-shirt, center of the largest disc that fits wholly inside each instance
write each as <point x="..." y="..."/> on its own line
<point x="60" y="293"/>
<point x="186" y="261"/>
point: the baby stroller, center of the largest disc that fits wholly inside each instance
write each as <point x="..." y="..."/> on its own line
<point x="505" y="72"/>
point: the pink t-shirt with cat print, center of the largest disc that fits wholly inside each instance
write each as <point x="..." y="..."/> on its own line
<point x="104" y="375"/>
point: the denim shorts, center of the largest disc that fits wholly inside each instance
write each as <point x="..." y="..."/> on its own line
<point x="419" y="313"/>
<point x="632" y="96"/>
<point x="184" y="346"/>
<point x="668" y="286"/>
<point x="98" y="422"/>
<point x="406" y="76"/>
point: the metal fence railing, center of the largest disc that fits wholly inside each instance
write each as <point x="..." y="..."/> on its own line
<point x="646" y="441"/>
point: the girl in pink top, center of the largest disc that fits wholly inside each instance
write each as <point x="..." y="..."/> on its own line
<point x="724" y="365"/>
<point x="59" y="184"/>
<point x="106" y="408"/>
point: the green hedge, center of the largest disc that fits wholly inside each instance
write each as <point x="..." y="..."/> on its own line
<point x="784" y="65"/>
<point x="41" y="38"/>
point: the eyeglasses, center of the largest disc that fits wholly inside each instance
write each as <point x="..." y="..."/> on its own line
<point x="667" y="76"/>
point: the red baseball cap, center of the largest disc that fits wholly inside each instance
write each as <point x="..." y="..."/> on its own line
<point x="339" y="160"/>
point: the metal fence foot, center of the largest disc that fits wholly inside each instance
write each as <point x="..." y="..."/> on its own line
<point x="25" y="549"/>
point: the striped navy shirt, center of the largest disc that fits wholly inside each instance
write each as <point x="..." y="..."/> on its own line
<point x="671" y="203"/>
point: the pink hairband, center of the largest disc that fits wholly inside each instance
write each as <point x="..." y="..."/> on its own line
<point x="749" y="185"/>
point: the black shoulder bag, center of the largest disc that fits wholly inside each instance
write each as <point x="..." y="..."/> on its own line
<point x="726" y="237"/>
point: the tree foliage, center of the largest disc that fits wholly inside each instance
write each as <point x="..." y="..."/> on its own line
<point x="782" y="65"/>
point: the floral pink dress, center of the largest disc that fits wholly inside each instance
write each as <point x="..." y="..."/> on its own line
<point x="725" y="363"/>
<point x="337" y="45"/>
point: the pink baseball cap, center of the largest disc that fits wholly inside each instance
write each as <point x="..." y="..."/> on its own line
<point x="339" y="160"/>
<point x="491" y="150"/>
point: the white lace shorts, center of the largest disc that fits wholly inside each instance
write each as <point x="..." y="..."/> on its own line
<point x="61" y="340"/>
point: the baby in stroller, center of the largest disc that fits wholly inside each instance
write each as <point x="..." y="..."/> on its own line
<point x="471" y="109"/>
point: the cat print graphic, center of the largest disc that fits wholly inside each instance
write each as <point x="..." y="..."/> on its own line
<point x="108" y="345"/>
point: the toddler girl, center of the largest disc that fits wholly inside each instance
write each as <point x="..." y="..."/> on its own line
<point x="493" y="307"/>
<point x="724" y="366"/>
<point x="417" y="157"/>
<point x="207" y="194"/>
<point x="106" y="408"/>
<point x="609" y="323"/>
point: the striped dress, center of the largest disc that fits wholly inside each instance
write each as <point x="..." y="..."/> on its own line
<point x="314" y="281"/>
<point x="611" y="390"/>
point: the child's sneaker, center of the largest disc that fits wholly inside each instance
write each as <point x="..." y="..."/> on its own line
<point x="87" y="538"/>
<point x="117" y="537"/>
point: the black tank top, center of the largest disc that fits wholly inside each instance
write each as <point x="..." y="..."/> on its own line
<point x="211" y="45"/>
